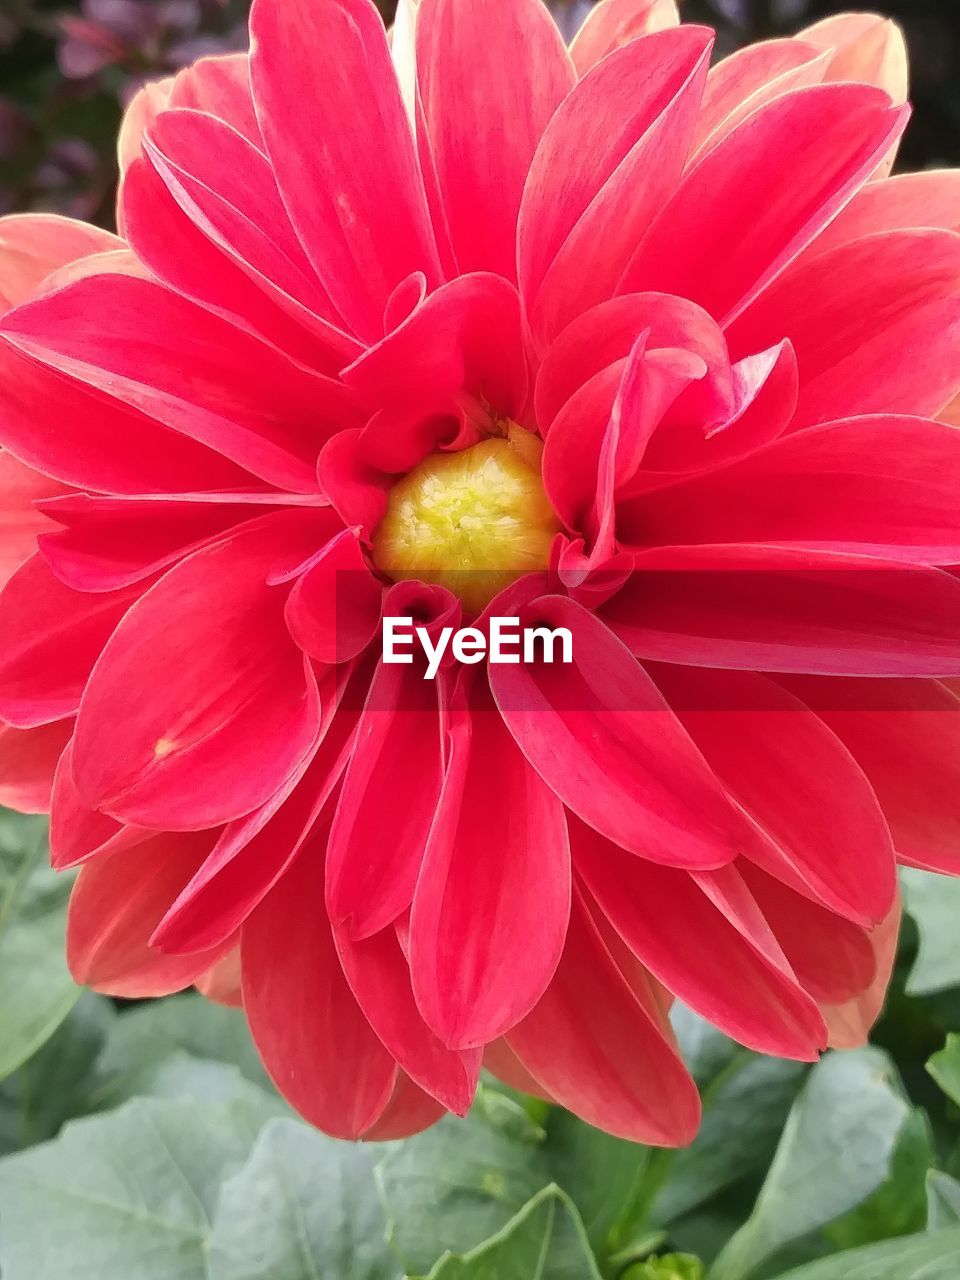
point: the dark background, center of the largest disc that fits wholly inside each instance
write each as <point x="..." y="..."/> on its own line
<point x="67" y="68"/>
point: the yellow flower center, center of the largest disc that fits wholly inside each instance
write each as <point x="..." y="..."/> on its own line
<point x="472" y="521"/>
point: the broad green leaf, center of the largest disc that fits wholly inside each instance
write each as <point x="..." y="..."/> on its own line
<point x="455" y="1186"/>
<point x="303" y="1207"/>
<point x="943" y="1200"/>
<point x="130" y="1195"/>
<point x="836" y="1150"/>
<point x="945" y="1068"/>
<point x="934" y="903"/>
<point x="921" y="1257"/>
<point x="899" y="1206"/>
<point x="744" y="1110"/>
<point x="144" y="1036"/>
<point x="57" y="1083"/>
<point x="36" y="990"/>
<point x="544" y="1241"/>
<point x="602" y="1175"/>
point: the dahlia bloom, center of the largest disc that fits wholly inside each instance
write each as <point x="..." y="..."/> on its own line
<point x="462" y="323"/>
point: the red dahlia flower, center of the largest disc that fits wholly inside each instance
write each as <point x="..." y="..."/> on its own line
<point x="478" y="325"/>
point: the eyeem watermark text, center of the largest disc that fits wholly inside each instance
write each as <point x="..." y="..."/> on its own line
<point x="505" y="641"/>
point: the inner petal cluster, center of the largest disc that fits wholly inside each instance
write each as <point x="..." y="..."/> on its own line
<point x="471" y="521"/>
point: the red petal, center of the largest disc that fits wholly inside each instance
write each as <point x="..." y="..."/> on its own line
<point x="114" y="908"/>
<point x="52" y="638"/>
<point x="488" y="92"/>
<point x="490" y="910"/>
<point x="315" y="1041"/>
<point x="795" y="779"/>
<point x="237" y="708"/>
<point x="346" y="165"/>
<point x="602" y="1052"/>
<point x="28" y="761"/>
<point x="20" y="520"/>
<point x="601" y="736"/>
<point x="34" y="245"/>
<point x="613" y="23"/>
<point x="784" y="173"/>
<point x="735" y="974"/>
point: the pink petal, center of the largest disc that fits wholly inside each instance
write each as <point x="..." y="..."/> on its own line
<point x="928" y="199"/>
<point x="905" y="735"/>
<point x="609" y="159"/>
<point x="797" y="781"/>
<point x="409" y="1110"/>
<point x="863" y="46"/>
<point x="237" y="709"/>
<point x="144" y="107"/>
<point x="833" y="959"/>
<point x="110" y="543"/>
<point x="602" y="1052"/>
<point x="850" y="1023"/>
<point x="28" y="760"/>
<point x="34" y="245"/>
<point x="613" y="23"/>
<point x="220" y="86"/>
<point x="227" y="189"/>
<point x="736" y="975"/>
<point x="77" y="832"/>
<point x="465" y="337"/>
<point x="879" y="486"/>
<point x="85" y="438"/>
<point x="347" y="169"/>
<point x="372" y="862"/>
<point x="784" y="173"/>
<point x="52" y="636"/>
<point x="770" y="608"/>
<point x="20" y="521"/>
<point x="115" y="905"/>
<point x="488" y="92"/>
<point x="131" y="339"/>
<point x="181" y="254"/>
<point x="334" y="608"/>
<point x="602" y="738"/>
<point x="254" y="852"/>
<point x="751" y="77"/>
<point x="316" y="1043"/>
<point x="853" y="312"/>
<point x="221" y="982"/>
<point x="490" y="910"/>
<point x="378" y="974"/>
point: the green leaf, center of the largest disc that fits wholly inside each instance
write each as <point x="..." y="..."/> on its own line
<point x="899" y="1206"/>
<point x="673" y="1266"/>
<point x="921" y="1257"/>
<point x="36" y="990"/>
<point x="130" y="1195"/>
<point x="943" y="1200"/>
<point x="835" y="1151"/>
<point x="303" y="1207"/>
<point x="455" y="1186"/>
<point x="146" y="1035"/>
<point x="601" y="1174"/>
<point x="544" y="1241"/>
<point x="934" y="903"/>
<point x="945" y="1068"/>
<point x="56" y="1084"/>
<point x="744" y="1110"/>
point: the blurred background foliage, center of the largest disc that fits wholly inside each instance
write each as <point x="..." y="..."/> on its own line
<point x="67" y="67"/>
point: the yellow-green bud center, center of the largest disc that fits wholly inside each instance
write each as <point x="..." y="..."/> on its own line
<point x="472" y="521"/>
